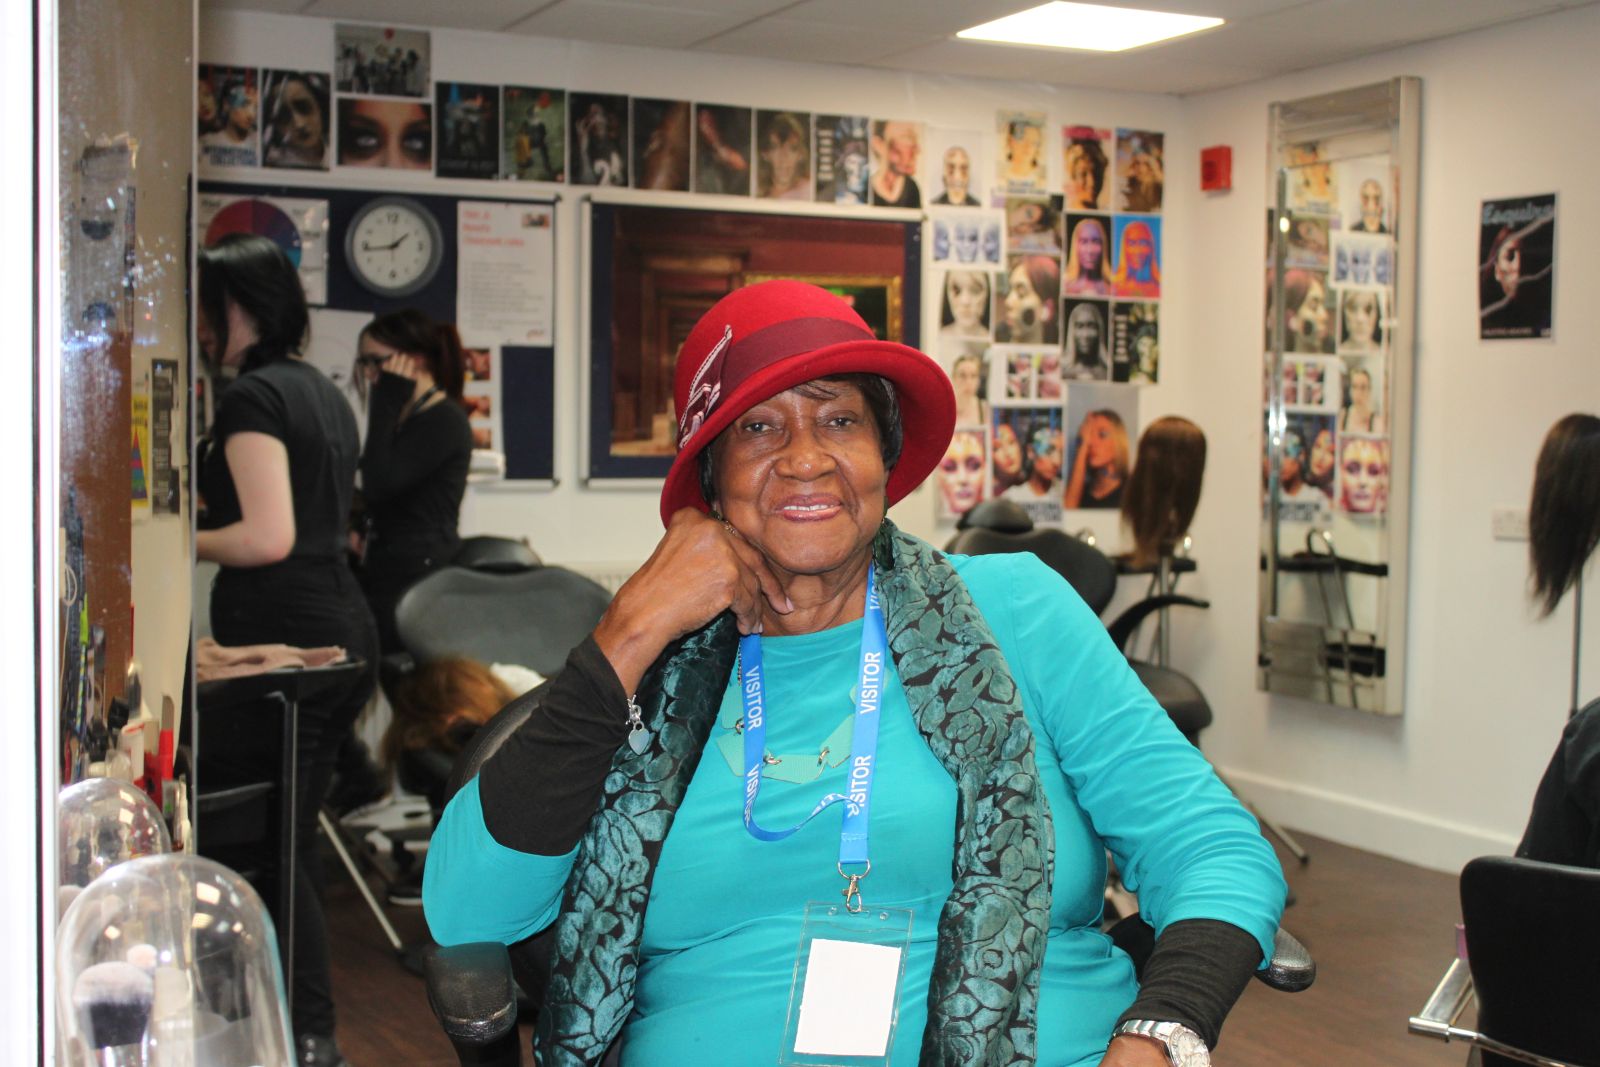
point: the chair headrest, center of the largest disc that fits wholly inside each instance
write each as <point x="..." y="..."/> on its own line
<point x="495" y="554"/>
<point x="1086" y="568"/>
<point x="531" y="617"/>
<point x="1005" y="515"/>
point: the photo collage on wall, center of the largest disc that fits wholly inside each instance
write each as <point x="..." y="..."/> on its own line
<point x="1048" y="297"/>
<point x="1338" y="295"/>
<point x="380" y="107"/>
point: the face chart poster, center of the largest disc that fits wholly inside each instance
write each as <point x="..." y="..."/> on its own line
<point x="1516" y="267"/>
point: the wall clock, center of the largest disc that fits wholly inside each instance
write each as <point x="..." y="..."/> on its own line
<point x="394" y="246"/>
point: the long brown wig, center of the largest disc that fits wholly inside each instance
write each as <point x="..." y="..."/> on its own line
<point x="1164" y="488"/>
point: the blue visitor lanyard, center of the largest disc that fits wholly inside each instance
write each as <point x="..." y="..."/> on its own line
<point x="863" y="747"/>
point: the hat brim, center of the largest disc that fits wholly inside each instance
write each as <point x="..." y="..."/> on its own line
<point x="926" y="400"/>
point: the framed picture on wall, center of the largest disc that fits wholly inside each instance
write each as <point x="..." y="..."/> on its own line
<point x="653" y="271"/>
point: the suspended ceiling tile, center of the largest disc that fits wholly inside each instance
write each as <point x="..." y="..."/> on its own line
<point x="456" y="14"/>
<point x="782" y="38"/>
<point x="610" y="22"/>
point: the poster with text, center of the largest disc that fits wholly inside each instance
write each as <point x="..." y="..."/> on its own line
<point x="1026" y="453"/>
<point x="505" y="262"/>
<point x="1516" y="267"/>
<point x="469" y="130"/>
<point x="227" y="116"/>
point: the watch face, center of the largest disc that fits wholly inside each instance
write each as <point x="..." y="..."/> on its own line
<point x="394" y="247"/>
<point x="1188" y="1050"/>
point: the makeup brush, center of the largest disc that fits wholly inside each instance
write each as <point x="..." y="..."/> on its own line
<point x="113" y="1004"/>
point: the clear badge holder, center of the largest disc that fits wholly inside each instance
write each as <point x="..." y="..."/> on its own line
<point x="844" y="1001"/>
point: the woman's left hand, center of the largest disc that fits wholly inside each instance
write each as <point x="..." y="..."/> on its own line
<point x="1129" y="1051"/>
<point x="408" y="367"/>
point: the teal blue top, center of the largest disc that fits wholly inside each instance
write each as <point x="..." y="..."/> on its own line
<point x="726" y="910"/>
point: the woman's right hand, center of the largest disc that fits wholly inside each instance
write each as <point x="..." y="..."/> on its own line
<point x="700" y="568"/>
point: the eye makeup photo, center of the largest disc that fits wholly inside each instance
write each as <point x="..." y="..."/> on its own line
<point x="385" y="133"/>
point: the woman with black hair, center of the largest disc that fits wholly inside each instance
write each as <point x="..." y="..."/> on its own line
<point x="414" y="465"/>
<point x="277" y="476"/>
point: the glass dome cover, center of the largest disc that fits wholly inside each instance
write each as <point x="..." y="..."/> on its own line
<point x="170" y="961"/>
<point x="104" y="822"/>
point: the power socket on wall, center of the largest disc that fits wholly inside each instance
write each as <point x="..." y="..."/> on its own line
<point x="1509" y="524"/>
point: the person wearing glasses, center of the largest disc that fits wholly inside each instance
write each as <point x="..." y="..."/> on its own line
<point x="414" y="462"/>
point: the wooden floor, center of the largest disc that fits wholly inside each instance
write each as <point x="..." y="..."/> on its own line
<point x="1381" y="932"/>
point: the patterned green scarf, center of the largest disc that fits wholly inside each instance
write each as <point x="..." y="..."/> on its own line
<point x="983" y="995"/>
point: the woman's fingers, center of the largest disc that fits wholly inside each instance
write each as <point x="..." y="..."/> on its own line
<point x="767" y="583"/>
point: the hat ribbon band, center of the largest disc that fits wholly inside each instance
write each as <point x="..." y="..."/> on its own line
<point x="767" y="346"/>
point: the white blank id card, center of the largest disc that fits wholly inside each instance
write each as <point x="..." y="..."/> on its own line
<point x="847" y="1006"/>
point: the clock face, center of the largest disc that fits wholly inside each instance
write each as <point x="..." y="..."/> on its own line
<point x="394" y="246"/>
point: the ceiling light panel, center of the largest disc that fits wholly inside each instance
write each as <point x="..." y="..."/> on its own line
<point x="1088" y="27"/>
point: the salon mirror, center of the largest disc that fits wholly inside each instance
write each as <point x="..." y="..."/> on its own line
<point x="1340" y="296"/>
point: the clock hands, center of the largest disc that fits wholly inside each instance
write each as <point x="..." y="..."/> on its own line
<point x="384" y="248"/>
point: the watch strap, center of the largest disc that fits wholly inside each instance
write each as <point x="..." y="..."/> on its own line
<point x="1184" y="1047"/>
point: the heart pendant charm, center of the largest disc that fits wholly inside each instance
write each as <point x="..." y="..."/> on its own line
<point x="638" y="739"/>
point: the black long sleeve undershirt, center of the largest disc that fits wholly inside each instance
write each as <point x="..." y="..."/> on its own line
<point x="540" y="789"/>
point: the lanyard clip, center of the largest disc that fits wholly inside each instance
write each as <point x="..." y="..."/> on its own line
<point x="852" y="890"/>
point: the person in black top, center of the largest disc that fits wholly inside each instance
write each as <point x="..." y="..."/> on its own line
<point x="414" y="466"/>
<point x="277" y="476"/>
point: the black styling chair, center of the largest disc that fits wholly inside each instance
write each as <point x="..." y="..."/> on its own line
<point x="1006" y="528"/>
<point x="1533" y="963"/>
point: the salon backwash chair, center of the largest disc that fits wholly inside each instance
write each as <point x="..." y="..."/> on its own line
<point x="1533" y="963"/>
<point x="473" y="987"/>
<point x="495" y="603"/>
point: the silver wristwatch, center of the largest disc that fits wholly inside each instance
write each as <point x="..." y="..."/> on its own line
<point x="1184" y="1047"/>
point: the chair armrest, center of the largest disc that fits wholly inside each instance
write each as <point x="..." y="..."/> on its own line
<point x="1445" y="1005"/>
<point x="471" y="990"/>
<point x="1291" y="968"/>
<point x="1123" y="626"/>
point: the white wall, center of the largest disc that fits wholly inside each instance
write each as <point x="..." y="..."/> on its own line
<point x="1504" y="112"/>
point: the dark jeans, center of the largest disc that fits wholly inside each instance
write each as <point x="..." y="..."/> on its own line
<point x="307" y="604"/>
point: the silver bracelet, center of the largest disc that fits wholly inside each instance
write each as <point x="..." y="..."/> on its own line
<point x="638" y="736"/>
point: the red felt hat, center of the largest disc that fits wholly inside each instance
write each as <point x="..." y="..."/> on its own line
<point x="765" y="338"/>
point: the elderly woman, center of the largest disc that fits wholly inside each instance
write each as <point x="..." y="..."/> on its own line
<point x="656" y="807"/>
